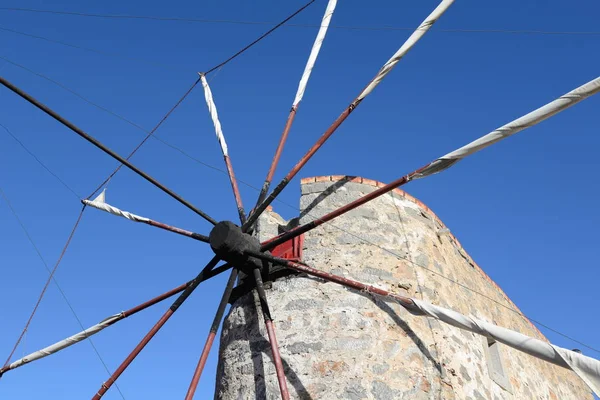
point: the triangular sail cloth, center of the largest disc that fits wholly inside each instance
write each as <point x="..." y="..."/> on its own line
<point x="100" y="203"/>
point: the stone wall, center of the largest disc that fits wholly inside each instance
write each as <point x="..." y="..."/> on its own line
<point x="338" y="343"/>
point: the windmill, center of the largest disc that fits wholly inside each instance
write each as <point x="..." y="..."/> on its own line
<point x="243" y="253"/>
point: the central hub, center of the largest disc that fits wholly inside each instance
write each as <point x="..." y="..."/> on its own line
<point x="229" y="243"/>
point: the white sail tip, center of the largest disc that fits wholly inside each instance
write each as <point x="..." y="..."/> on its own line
<point x="101" y="198"/>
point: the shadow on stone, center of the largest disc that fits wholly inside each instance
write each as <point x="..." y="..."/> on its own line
<point x="256" y="351"/>
<point x="334" y="186"/>
<point x="383" y="306"/>
<point x="263" y="347"/>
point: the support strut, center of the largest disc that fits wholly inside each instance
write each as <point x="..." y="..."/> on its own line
<point x="202" y="276"/>
<point x="104" y="148"/>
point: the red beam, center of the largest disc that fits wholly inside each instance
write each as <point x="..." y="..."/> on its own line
<point x="277" y="156"/>
<point x="177" y="230"/>
<point x="212" y="334"/>
<point x="202" y="276"/>
<point x="236" y="190"/>
<point x="271" y="243"/>
<point x="285" y="394"/>
<point x="404" y="301"/>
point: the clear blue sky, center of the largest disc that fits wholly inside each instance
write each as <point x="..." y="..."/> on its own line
<point x="525" y="209"/>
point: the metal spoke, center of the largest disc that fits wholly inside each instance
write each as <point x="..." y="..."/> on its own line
<point x="537" y="348"/>
<point x="202" y="276"/>
<point x="100" y="204"/>
<point x="438" y="165"/>
<point x="212" y="334"/>
<point x="212" y="109"/>
<point x="386" y="69"/>
<point x="285" y="395"/>
<point x="105" y="323"/>
<point x="310" y="63"/>
<point x="405" y="301"/>
<point x="102" y="147"/>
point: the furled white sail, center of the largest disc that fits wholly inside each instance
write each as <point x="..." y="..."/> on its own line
<point x="587" y="368"/>
<point x="214" y="115"/>
<point x="562" y="103"/>
<point x="100" y="203"/>
<point x="410" y="42"/>
<point x="71" y="340"/>
<point x="314" y="52"/>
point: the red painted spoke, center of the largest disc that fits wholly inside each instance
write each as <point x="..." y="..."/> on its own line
<point x="105" y="149"/>
<point x="214" y="115"/>
<point x="285" y="394"/>
<point x="269" y="244"/>
<point x="236" y="190"/>
<point x="202" y="276"/>
<point x="404" y="301"/>
<point x="284" y="182"/>
<point x="374" y="82"/>
<point x="211" y="335"/>
<point x="179" y="231"/>
<point x="277" y="156"/>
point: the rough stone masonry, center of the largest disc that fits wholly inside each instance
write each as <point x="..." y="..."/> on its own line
<point x="338" y="343"/>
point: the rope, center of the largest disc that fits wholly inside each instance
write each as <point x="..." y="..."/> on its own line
<point x="150" y="133"/>
<point x="216" y="67"/>
<point x="116" y="115"/>
<point x="451" y="281"/>
<point x="181" y="151"/>
<point x="92" y="50"/>
<point x="264" y="35"/>
<point x="51" y="272"/>
<point x="52" y="278"/>
<point x="249" y="185"/>
<point x="245" y="22"/>
<point x="39" y="161"/>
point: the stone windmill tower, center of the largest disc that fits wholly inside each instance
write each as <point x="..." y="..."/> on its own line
<point x="342" y="344"/>
<point x="336" y="342"/>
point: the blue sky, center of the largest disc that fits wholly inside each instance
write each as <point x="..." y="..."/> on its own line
<point x="524" y="209"/>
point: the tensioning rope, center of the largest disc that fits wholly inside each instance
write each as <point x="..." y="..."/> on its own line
<point x="264" y="35"/>
<point x="92" y="140"/>
<point x="150" y="133"/>
<point x="51" y="277"/>
<point x="295" y="208"/>
<point x="310" y="63"/>
<point x="533" y="118"/>
<point x="586" y="368"/>
<point x="383" y="72"/>
<point x="130" y="155"/>
<point x="216" y="67"/>
<point x="36" y="158"/>
<point x="203" y="163"/>
<point x="247" y="22"/>
<point x="114" y="114"/>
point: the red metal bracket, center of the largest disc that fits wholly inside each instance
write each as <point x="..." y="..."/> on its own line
<point x="290" y="250"/>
